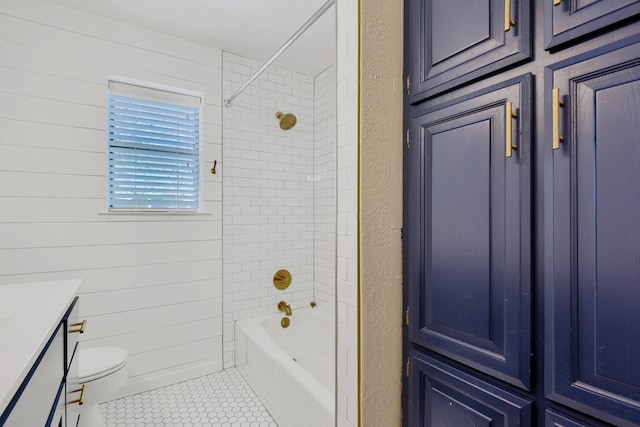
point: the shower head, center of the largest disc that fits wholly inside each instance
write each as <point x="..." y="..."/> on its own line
<point x="287" y="121"/>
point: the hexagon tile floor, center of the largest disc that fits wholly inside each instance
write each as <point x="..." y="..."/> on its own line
<point x="223" y="399"/>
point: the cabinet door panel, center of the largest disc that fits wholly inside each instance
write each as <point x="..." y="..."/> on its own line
<point x="575" y="18"/>
<point x="460" y="235"/>
<point x="456" y="41"/>
<point x="471" y="259"/>
<point x="554" y="419"/>
<point x="593" y="321"/>
<point x="444" y="396"/>
<point x="73" y="391"/>
<point x="72" y="327"/>
<point x="35" y="401"/>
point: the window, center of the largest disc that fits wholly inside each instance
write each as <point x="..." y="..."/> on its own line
<point x="154" y="149"/>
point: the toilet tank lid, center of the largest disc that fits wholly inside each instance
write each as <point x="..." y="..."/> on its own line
<point x="96" y="360"/>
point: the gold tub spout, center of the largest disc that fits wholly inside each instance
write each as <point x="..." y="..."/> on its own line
<point x="283" y="306"/>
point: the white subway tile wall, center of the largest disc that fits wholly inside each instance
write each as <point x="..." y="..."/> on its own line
<point x="268" y="203"/>
<point x="347" y="206"/>
<point x="325" y="190"/>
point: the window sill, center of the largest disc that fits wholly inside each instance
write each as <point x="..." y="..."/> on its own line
<point x="153" y="213"/>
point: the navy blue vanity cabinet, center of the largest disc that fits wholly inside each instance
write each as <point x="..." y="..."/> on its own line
<point x="471" y="231"/>
<point x="445" y="396"/>
<point x="456" y="41"/>
<point x="43" y="397"/>
<point x="566" y="20"/>
<point x="592" y="300"/>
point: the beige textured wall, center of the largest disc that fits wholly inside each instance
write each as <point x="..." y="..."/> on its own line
<point x="380" y="178"/>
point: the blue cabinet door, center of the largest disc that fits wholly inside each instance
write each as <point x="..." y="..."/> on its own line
<point x="455" y="41"/>
<point x="592" y="299"/>
<point x="555" y="418"/>
<point x="468" y="228"/>
<point x="442" y="396"/>
<point x="566" y="20"/>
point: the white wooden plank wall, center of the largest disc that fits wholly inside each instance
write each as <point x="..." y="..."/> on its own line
<point x="152" y="284"/>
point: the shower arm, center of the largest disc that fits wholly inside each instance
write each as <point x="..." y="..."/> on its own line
<point x="301" y="30"/>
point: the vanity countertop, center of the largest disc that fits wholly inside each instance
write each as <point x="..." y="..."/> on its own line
<point x="29" y="314"/>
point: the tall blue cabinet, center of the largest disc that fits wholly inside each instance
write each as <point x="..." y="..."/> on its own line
<point x="522" y="213"/>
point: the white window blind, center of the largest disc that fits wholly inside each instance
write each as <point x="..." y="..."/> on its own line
<point x="154" y="151"/>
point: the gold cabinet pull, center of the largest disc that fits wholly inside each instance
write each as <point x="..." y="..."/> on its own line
<point x="509" y="129"/>
<point x="556" y="2"/>
<point x="508" y="22"/>
<point x="557" y="103"/>
<point x="79" y="329"/>
<point x="81" y="390"/>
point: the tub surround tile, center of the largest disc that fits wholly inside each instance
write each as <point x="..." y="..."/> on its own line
<point x="347" y="188"/>
<point x="324" y="180"/>
<point x="269" y="205"/>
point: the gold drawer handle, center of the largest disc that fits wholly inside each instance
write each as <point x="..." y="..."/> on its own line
<point x="509" y="129"/>
<point x="508" y="22"/>
<point x="557" y="2"/>
<point x="80" y="329"/>
<point x="80" y="400"/>
<point x="557" y="103"/>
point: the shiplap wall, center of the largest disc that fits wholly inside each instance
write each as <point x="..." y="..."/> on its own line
<point x="152" y="283"/>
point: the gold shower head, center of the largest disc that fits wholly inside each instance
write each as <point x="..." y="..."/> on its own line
<point x="287" y="121"/>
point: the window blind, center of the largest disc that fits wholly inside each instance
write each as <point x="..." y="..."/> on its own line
<point x="154" y="161"/>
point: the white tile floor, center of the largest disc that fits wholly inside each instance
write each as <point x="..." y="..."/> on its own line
<point x="223" y="399"/>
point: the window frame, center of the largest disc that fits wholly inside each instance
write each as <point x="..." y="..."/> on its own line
<point x="139" y="89"/>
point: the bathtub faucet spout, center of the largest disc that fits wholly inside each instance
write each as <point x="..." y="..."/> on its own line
<point x="283" y="306"/>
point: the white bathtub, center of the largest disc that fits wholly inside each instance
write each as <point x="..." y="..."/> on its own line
<point x="291" y="370"/>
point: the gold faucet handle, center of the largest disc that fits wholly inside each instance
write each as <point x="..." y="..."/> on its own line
<point x="282" y="279"/>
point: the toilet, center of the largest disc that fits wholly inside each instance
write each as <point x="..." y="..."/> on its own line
<point x="102" y="370"/>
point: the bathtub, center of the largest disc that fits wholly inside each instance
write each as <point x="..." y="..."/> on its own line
<point x="291" y="370"/>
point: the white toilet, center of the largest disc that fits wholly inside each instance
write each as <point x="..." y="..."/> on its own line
<point x="103" y="370"/>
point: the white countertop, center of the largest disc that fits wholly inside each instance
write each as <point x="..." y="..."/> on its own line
<point x="29" y="314"/>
